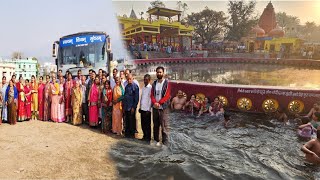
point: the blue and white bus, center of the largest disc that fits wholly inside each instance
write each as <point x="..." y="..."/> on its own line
<point x="84" y="50"/>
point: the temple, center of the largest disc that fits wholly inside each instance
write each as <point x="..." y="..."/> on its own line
<point x="163" y="27"/>
<point x="268" y="37"/>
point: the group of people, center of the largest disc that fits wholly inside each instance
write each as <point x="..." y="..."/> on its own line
<point x="100" y="100"/>
<point x="198" y="106"/>
<point x="310" y="126"/>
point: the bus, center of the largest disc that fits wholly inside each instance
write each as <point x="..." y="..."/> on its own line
<point x="83" y="50"/>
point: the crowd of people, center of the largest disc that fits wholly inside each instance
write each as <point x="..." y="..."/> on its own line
<point x="111" y="102"/>
<point x="99" y="101"/>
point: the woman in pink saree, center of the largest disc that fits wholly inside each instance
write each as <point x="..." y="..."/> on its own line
<point x="61" y="106"/>
<point x="118" y="93"/>
<point x="47" y="97"/>
<point x="57" y="100"/>
<point x="41" y="98"/>
<point x="94" y="103"/>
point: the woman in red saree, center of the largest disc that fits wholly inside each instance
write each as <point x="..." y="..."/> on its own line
<point x="94" y="103"/>
<point x="68" y="91"/>
<point x="27" y="103"/>
<point x="21" y="100"/>
<point x="41" y="98"/>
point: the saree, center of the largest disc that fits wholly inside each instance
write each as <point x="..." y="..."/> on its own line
<point x="117" y="114"/>
<point x="76" y="102"/>
<point x="47" y="102"/>
<point x="21" y="102"/>
<point x="56" y="103"/>
<point x="34" y="102"/>
<point x="4" y="106"/>
<point x="106" y="106"/>
<point x="11" y="97"/>
<point x="93" y="105"/>
<point x="27" y="103"/>
<point x="41" y="101"/>
<point x="68" y="90"/>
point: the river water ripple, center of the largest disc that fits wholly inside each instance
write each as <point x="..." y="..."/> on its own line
<point x="254" y="147"/>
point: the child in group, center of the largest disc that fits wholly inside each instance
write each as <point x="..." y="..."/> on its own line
<point x="307" y="131"/>
<point x="314" y="123"/>
<point x="226" y="119"/>
<point x="281" y="115"/>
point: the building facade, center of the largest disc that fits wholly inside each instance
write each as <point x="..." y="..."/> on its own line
<point x="163" y="27"/>
<point x="25" y="67"/>
<point x="7" y="69"/>
<point x="47" y="69"/>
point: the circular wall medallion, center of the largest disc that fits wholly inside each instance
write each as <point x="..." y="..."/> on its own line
<point x="296" y="106"/>
<point x="223" y="100"/>
<point x="200" y="97"/>
<point x="244" y="104"/>
<point x="270" y="105"/>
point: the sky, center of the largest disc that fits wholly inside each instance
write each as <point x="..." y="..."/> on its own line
<point x="32" y="26"/>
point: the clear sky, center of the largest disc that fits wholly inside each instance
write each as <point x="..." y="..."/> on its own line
<point x="31" y="26"/>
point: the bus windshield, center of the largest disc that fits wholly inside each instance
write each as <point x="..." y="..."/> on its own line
<point x="82" y="50"/>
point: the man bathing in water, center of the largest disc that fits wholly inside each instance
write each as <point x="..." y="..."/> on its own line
<point x="312" y="149"/>
<point x="178" y="102"/>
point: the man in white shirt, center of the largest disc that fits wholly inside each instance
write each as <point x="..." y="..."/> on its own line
<point x="145" y="108"/>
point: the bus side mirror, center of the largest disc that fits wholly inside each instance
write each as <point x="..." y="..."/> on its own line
<point x="54" y="50"/>
<point x="108" y="44"/>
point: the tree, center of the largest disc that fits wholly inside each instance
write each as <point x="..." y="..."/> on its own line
<point x="16" y="55"/>
<point x="183" y="7"/>
<point x="241" y="19"/>
<point x="287" y="21"/>
<point x="157" y="3"/>
<point x="208" y="24"/>
<point x="308" y="29"/>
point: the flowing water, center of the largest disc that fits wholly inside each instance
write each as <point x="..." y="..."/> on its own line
<point x="254" y="147"/>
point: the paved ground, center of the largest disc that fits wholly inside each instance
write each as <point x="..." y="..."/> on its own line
<point x="46" y="150"/>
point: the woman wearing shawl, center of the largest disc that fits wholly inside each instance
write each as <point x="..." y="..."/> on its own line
<point x="118" y="93"/>
<point x="106" y="106"/>
<point x="94" y="103"/>
<point x="41" y="98"/>
<point x="11" y="102"/>
<point x="76" y="103"/>
<point x="47" y="100"/>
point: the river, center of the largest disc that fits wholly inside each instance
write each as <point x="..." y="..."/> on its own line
<point x="253" y="147"/>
